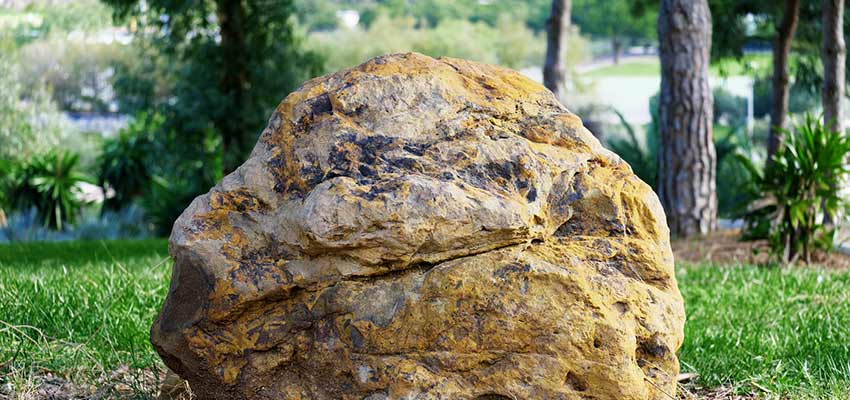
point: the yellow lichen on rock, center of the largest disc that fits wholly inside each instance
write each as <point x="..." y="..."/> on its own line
<point x="424" y="228"/>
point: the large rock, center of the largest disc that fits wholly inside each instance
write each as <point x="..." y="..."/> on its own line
<point x="430" y="229"/>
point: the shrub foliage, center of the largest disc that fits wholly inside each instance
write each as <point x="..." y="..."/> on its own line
<point x="50" y="184"/>
<point x="799" y="192"/>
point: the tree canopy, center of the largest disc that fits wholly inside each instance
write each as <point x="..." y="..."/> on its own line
<point x="615" y="19"/>
<point x="235" y="61"/>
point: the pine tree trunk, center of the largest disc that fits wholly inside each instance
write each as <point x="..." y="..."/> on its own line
<point x="554" y="68"/>
<point x="781" y="89"/>
<point x="617" y="47"/>
<point x="834" y="53"/>
<point x="686" y="158"/>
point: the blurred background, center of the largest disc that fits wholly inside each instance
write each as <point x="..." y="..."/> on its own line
<point x="124" y="110"/>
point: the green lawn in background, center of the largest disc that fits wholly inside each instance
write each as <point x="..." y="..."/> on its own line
<point x="651" y="67"/>
<point x="628" y="68"/>
<point x="82" y="308"/>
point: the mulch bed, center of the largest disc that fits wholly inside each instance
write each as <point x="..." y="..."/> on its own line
<point x="725" y="248"/>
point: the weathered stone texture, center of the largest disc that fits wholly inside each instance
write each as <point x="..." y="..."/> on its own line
<point x="430" y="229"/>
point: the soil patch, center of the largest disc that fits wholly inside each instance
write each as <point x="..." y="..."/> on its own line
<point x="725" y="247"/>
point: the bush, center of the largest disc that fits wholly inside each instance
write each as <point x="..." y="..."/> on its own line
<point x="50" y="184"/>
<point x="71" y="16"/>
<point x="729" y="109"/>
<point x="125" y="161"/>
<point x="801" y="99"/>
<point x="508" y="42"/>
<point x="157" y="168"/>
<point x="27" y="21"/>
<point x="734" y="183"/>
<point x="79" y="74"/>
<point x="30" y="122"/>
<point x="641" y="155"/>
<point x="799" y="191"/>
<point x="146" y="78"/>
<point x="316" y="15"/>
<point x="167" y="197"/>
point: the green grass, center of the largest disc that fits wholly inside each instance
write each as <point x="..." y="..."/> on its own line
<point x="86" y="307"/>
<point x="80" y="307"/>
<point x="780" y="331"/>
<point x="630" y="69"/>
<point x="651" y="67"/>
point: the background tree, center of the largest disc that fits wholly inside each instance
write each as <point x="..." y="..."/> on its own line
<point x="760" y="22"/>
<point x="554" y="67"/>
<point x="781" y="83"/>
<point x="237" y="60"/>
<point x="809" y="69"/>
<point x="686" y="157"/>
<point x="430" y="13"/>
<point x="620" y="21"/>
<point x="834" y="55"/>
<point x="30" y="122"/>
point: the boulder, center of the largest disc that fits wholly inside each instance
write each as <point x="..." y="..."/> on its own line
<point x="430" y="229"/>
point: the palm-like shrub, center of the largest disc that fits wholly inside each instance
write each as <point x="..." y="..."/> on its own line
<point x="734" y="184"/>
<point x="797" y="192"/>
<point x="50" y="184"/>
<point x="641" y="155"/>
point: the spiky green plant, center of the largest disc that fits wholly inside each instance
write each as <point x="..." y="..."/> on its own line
<point x="798" y="190"/>
<point x="50" y="183"/>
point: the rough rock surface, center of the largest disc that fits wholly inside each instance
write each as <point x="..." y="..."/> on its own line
<point x="430" y="229"/>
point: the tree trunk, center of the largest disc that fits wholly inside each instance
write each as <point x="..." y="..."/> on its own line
<point x="233" y="81"/>
<point x="781" y="50"/>
<point x="617" y="47"/>
<point x="554" y="68"/>
<point x="834" y="53"/>
<point x="686" y="158"/>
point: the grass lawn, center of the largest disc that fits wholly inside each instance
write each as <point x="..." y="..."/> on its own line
<point x="628" y="69"/>
<point x="79" y="309"/>
<point x="83" y="309"/>
<point x="768" y="331"/>
<point x="651" y="67"/>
